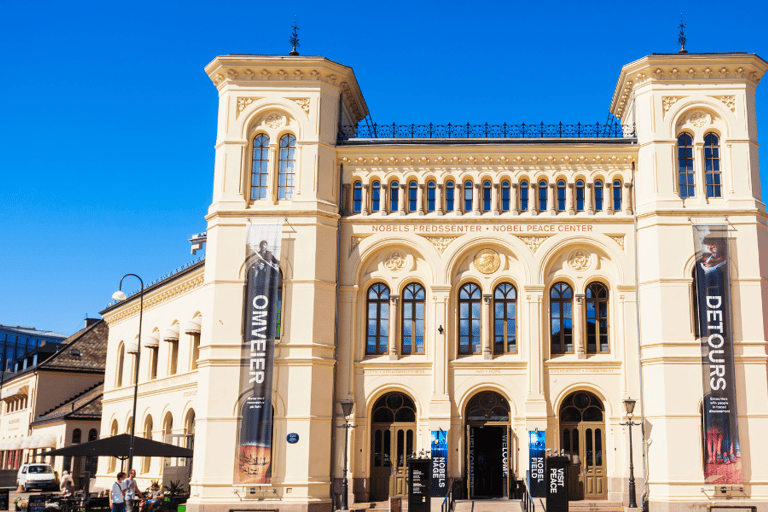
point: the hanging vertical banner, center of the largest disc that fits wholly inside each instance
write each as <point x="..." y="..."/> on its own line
<point x="536" y="452"/>
<point x="439" y="463"/>
<point x="253" y="460"/>
<point x="722" y="454"/>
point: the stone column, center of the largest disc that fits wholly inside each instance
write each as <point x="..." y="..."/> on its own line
<point x="347" y="210"/>
<point x="551" y="199"/>
<point x="394" y="322"/>
<point x="402" y="199"/>
<point x="578" y="326"/>
<point x="533" y="193"/>
<point x="496" y="199"/>
<point x="384" y="199"/>
<point x="608" y="198"/>
<point x="514" y="199"/>
<point x="486" y="327"/>
<point x="458" y="199"/>
<point x="476" y="199"/>
<point x="628" y="198"/>
<point x="439" y="209"/>
<point x="590" y="203"/>
<point x="570" y="199"/>
<point x="365" y="199"/>
<point x="420" y="199"/>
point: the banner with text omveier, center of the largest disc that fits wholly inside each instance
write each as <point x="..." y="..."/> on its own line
<point x="722" y="453"/>
<point x="261" y="321"/>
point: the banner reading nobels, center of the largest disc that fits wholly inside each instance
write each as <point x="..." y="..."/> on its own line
<point x="722" y="454"/>
<point x="253" y="460"/>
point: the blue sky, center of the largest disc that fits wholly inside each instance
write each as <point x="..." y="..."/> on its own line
<point x="108" y="119"/>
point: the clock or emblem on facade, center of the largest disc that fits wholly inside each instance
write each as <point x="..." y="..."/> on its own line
<point x="395" y="261"/>
<point x="487" y="261"/>
<point x="699" y="119"/>
<point x="579" y="260"/>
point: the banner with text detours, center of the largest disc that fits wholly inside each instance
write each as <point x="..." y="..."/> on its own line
<point x="537" y="447"/>
<point x="261" y="324"/>
<point x="722" y="454"/>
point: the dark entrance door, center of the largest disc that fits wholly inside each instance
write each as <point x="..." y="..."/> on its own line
<point x="487" y="462"/>
<point x="392" y="441"/>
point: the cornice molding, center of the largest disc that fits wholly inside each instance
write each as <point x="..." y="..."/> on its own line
<point x="157" y="297"/>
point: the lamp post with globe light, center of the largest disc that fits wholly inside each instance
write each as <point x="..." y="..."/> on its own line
<point x="629" y="405"/>
<point x="120" y="296"/>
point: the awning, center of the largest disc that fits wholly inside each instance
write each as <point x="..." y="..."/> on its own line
<point x="46" y="441"/>
<point x="15" y="443"/>
<point x="119" y="446"/>
<point x="193" y="326"/>
<point x="152" y="341"/>
<point x="29" y="443"/>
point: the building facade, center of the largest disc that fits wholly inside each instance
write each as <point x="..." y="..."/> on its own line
<point x="478" y="282"/>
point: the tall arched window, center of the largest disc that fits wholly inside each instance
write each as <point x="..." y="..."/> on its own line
<point x="598" y="196"/>
<point x="685" y="166"/>
<point x="597" y="318"/>
<point x="287" y="163"/>
<point x="376" y="196"/>
<point x="377" y="319"/>
<point x="147" y="461"/>
<point x="77" y="435"/>
<point x="524" y="196"/>
<point x="561" y="196"/>
<point x="486" y="196"/>
<point x="580" y="196"/>
<point x="469" y="319"/>
<point x="357" y="197"/>
<point x="260" y="172"/>
<point x="431" y="190"/>
<point x="449" y="196"/>
<point x="113" y="460"/>
<point x="120" y="365"/>
<point x="712" y="165"/>
<point x="413" y="319"/>
<point x="413" y="192"/>
<point x="561" y="318"/>
<point x="505" y="319"/>
<point x="505" y="195"/>
<point x="616" y="195"/>
<point x="542" y="196"/>
<point x="468" y="191"/>
<point x="394" y="196"/>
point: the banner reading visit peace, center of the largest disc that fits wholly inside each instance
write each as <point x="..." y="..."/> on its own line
<point x="722" y="454"/>
<point x="261" y="324"/>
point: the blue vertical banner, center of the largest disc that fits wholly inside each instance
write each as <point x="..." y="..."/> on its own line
<point x="537" y="448"/>
<point x="439" y="463"/>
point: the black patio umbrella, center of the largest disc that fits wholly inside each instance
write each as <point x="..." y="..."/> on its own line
<point x="119" y="446"/>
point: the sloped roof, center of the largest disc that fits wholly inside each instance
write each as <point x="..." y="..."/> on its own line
<point x="83" y="406"/>
<point x="31" y="331"/>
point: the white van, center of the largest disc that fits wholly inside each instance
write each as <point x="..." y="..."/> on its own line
<point x="35" y="475"/>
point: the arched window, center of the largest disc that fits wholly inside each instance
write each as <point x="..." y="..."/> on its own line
<point x="505" y="195"/>
<point x="597" y="318"/>
<point x="561" y="318"/>
<point x="469" y="319"/>
<point x="376" y="197"/>
<point x="542" y="196"/>
<point x="112" y="433"/>
<point x="413" y="319"/>
<point x="77" y="435"/>
<point x="486" y="196"/>
<point x="505" y="319"/>
<point x="580" y="196"/>
<point x="468" y="191"/>
<point x="147" y="461"/>
<point x="167" y="427"/>
<point x="561" y="196"/>
<point x="287" y="164"/>
<point x="712" y="165"/>
<point x="92" y="435"/>
<point x="685" y="166"/>
<point x="120" y="365"/>
<point x="413" y="192"/>
<point x="598" y="196"/>
<point x="449" y="196"/>
<point x="377" y="319"/>
<point x="431" y="189"/>
<point x="616" y="195"/>
<point x="260" y="172"/>
<point x="394" y="408"/>
<point x="394" y="196"/>
<point x="487" y="406"/>
<point x="357" y="197"/>
<point x="195" y="350"/>
<point x="524" y="196"/>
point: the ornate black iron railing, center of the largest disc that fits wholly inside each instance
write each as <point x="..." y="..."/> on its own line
<point x="611" y="130"/>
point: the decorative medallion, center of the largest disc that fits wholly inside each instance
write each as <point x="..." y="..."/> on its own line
<point x="699" y="119"/>
<point x="619" y="239"/>
<point x="533" y="242"/>
<point x="274" y="121"/>
<point x="395" y="261"/>
<point x="487" y="261"/>
<point x="579" y="260"/>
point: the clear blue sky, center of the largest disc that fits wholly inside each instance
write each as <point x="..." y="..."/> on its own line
<point x="108" y="119"/>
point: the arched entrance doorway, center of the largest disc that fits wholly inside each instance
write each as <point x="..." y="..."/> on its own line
<point x="488" y="435"/>
<point x="393" y="435"/>
<point x="582" y="437"/>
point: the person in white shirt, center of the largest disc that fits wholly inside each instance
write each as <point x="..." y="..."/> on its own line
<point x="117" y="494"/>
<point x="65" y="477"/>
<point x="131" y="491"/>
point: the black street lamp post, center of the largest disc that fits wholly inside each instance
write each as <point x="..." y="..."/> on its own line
<point x="629" y="404"/>
<point x="346" y="409"/>
<point x="120" y="296"/>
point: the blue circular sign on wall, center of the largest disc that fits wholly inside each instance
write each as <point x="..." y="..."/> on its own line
<point x="293" y="438"/>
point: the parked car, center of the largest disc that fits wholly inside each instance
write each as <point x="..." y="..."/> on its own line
<point x="35" y="475"/>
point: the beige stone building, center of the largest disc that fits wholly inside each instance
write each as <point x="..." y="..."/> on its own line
<point x="485" y="281"/>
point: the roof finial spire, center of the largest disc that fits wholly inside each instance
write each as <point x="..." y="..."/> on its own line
<point x="294" y="40"/>
<point x="681" y="37"/>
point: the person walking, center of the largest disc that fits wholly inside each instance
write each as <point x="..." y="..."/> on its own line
<point x="117" y="494"/>
<point x="131" y="491"/>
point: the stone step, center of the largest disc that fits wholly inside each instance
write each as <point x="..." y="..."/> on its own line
<point x="500" y="505"/>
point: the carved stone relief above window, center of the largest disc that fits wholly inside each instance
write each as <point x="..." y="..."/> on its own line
<point x="728" y="101"/>
<point x="395" y="261"/>
<point x="303" y="103"/>
<point x="275" y="121"/>
<point x="619" y="239"/>
<point x="667" y="102"/>
<point x="699" y="119"/>
<point x="579" y="260"/>
<point x="487" y="261"/>
<point x="441" y="243"/>
<point x="242" y="103"/>
<point x="355" y="241"/>
<point x="533" y="242"/>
